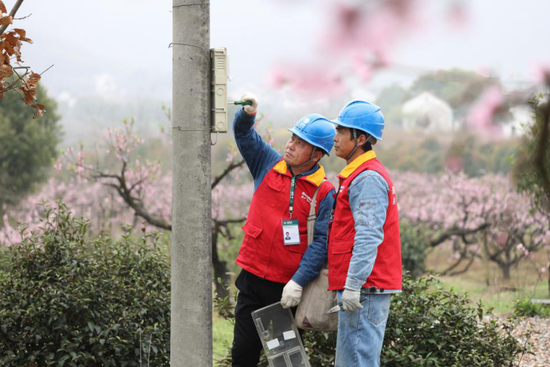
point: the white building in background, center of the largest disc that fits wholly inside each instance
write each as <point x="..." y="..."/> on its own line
<point x="428" y="113"/>
<point x="522" y="117"/>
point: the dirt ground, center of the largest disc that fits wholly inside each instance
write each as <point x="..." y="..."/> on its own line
<point x="540" y="340"/>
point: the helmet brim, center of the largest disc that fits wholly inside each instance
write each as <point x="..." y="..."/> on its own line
<point x="339" y="122"/>
<point x="302" y="136"/>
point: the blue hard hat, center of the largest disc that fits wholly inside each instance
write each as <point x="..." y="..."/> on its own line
<point x="316" y="130"/>
<point x="363" y="116"/>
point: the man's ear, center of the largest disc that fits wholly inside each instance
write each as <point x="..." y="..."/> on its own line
<point x="361" y="139"/>
<point x="318" y="155"/>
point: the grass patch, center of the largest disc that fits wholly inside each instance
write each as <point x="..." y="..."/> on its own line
<point x="485" y="282"/>
<point x="222" y="335"/>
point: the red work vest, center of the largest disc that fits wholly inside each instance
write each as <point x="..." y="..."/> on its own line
<point x="386" y="273"/>
<point x="263" y="252"/>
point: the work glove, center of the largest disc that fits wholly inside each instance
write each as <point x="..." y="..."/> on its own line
<point x="253" y="108"/>
<point x="351" y="300"/>
<point x="292" y="293"/>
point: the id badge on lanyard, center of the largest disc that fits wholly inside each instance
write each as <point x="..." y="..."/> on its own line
<point x="291" y="227"/>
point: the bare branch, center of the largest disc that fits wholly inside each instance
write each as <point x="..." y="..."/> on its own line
<point x="51" y="66"/>
<point x="227" y="170"/>
<point x="458" y="272"/>
<point x="456" y="232"/>
<point x="25" y="17"/>
<point x="456" y="264"/>
<point x="12" y="14"/>
<point x="133" y="202"/>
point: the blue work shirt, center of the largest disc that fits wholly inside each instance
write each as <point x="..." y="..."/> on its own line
<point x="260" y="158"/>
<point x="368" y="198"/>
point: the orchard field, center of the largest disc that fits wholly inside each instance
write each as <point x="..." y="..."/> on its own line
<point x="87" y="167"/>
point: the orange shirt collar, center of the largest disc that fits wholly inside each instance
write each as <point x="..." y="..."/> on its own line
<point x="315" y="178"/>
<point x="350" y="168"/>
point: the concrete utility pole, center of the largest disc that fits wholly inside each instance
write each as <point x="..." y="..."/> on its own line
<point x="191" y="309"/>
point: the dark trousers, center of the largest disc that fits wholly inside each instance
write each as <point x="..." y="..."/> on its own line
<point x="254" y="293"/>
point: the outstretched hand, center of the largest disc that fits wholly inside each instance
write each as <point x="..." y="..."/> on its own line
<point x="253" y="107"/>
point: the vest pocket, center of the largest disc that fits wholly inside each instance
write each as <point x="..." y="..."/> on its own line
<point x="252" y="230"/>
<point x="276" y="182"/>
<point x="250" y="244"/>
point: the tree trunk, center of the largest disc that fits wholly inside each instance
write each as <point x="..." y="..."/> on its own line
<point x="505" y="268"/>
<point x="220" y="267"/>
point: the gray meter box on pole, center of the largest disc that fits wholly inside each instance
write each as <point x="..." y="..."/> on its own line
<point x="218" y="57"/>
<point x="280" y="339"/>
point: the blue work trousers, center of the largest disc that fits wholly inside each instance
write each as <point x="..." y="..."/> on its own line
<point x="361" y="333"/>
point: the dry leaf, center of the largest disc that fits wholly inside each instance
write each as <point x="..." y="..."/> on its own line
<point x="28" y="95"/>
<point x="5" y="71"/>
<point x="3" y="10"/>
<point x="6" y="20"/>
<point x="9" y="48"/>
<point x="22" y="34"/>
<point x="12" y="39"/>
<point x="33" y="80"/>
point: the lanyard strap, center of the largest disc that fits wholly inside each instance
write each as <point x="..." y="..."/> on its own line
<point x="334" y="204"/>
<point x="292" y="188"/>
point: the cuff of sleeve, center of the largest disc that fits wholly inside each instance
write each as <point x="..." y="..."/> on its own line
<point x="300" y="279"/>
<point x="354" y="285"/>
<point x="246" y="114"/>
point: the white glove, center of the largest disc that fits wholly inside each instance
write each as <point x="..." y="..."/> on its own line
<point x="250" y="110"/>
<point x="292" y="293"/>
<point x="351" y="300"/>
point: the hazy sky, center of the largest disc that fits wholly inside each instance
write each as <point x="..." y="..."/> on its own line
<point x="119" y="48"/>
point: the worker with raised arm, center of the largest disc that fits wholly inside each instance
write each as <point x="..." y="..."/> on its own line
<point x="275" y="258"/>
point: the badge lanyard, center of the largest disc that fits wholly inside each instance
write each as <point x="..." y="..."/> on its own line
<point x="292" y="188"/>
<point x="291" y="229"/>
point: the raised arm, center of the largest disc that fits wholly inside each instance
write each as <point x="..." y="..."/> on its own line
<point x="259" y="156"/>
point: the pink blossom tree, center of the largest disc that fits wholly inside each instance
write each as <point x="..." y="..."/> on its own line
<point x="146" y="190"/>
<point x="479" y="217"/>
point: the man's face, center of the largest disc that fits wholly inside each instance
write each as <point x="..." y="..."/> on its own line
<point x="297" y="151"/>
<point x="343" y="143"/>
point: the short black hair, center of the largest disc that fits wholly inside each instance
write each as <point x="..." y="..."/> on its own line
<point x="368" y="145"/>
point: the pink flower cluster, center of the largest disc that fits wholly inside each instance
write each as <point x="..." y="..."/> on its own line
<point x="455" y="201"/>
<point x="356" y="37"/>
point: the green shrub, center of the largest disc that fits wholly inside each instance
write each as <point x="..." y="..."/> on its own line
<point x="429" y="326"/>
<point x="525" y="307"/>
<point x="69" y="301"/>
<point x="414" y="248"/>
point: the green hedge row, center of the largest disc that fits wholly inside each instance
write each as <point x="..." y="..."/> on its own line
<point x="69" y="301"/>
